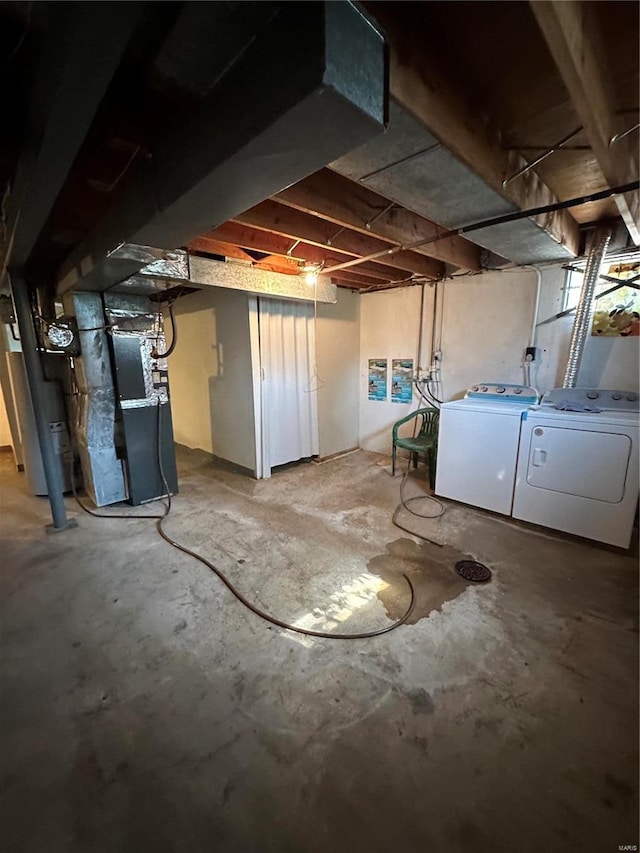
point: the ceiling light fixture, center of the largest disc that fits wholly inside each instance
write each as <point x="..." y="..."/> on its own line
<point x="310" y="272"/>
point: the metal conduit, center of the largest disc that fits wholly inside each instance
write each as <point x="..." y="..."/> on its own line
<point x="50" y="463"/>
<point x="584" y="310"/>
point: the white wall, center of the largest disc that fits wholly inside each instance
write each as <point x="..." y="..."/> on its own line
<point x="337" y="354"/>
<point x="5" y="431"/>
<point x="389" y="325"/>
<point x="486" y="326"/>
<point x="210" y="376"/>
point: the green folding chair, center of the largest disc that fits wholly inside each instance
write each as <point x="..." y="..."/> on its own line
<point x="425" y="442"/>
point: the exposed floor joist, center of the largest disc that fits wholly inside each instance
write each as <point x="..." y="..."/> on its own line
<point x="275" y="244"/>
<point x="572" y="35"/>
<point x="350" y="205"/>
<point x="280" y="263"/>
<point x="295" y="224"/>
<point x="91" y="40"/>
<point x="422" y="83"/>
<point x="308" y="109"/>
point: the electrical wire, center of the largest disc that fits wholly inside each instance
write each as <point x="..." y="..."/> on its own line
<point x="405" y="503"/>
<point x="364" y="635"/>
<point x="431" y="394"/>
<point x="426" y="395"/>
<point x="174" y="336"/>
<point x="267" y="617"/>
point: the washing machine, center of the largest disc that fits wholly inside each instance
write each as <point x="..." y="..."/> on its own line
<point x="578" y="470"/>
<point x="478" y="442"/>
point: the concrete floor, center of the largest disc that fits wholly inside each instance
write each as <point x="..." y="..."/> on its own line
<point x="144" y="709"/>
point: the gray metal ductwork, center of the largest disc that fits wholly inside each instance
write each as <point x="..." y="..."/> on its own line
<point x="309" y="87"/>
<point x="409" y="166"/>
<point x="128" y="269"/>
<point x="94" y="415"/>
<point x="584" y="310"/>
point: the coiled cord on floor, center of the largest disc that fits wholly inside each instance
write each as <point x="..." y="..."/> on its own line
<point x="280" y="623"/>
<point x="405" y="503"/>
<point x="273" y="620"/>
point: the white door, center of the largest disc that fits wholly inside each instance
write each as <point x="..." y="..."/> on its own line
<point x="288" y="387"/>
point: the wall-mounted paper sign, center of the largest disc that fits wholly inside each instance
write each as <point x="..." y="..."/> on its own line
<point x="377" y="378"/>
<point x="401" y="380"/>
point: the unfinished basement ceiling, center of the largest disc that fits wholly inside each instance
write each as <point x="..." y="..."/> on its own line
<point x="465" y="115"/>
<point x="476" y="92"/>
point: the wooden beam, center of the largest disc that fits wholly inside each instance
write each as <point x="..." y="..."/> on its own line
<point x="573" y="37"/>
<point x="276" y="263"/>
<point x="352" y="278"/>
<point x="216" y="247"/>
<point x="304" y="111"/>
<point x="347" y="203"/>
<point x="275" y="244"/>
<point x="88" y="45"/>
<point x="421" y="81"/>
<point x="273" y="263"/>
<point x="294" y="224"/>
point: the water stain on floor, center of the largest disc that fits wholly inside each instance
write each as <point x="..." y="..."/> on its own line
<point x="432" y="573"/>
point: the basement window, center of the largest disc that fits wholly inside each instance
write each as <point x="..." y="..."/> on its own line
<point x="572" y="288"/>
<point x="622" y="267"/>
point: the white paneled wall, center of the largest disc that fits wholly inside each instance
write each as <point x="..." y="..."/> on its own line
<point x="211" y="375"/>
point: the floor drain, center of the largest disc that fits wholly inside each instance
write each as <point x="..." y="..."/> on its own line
<point x="470" y="570"/>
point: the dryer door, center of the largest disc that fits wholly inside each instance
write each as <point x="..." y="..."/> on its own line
<point x="577" y="462"/>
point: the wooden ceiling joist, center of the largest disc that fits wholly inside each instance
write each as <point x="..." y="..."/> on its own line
<point x="281" y="263"/>
<point x="347" y="278"/>
<point x="210" y="246"/>
<point x="351" y="205"/>
<point x="295" y="224"/>
<point x="446" y="112"/>
<point x="259" y="240"/>
<point x="272" y="263"/>
<point x="574" y="41"/>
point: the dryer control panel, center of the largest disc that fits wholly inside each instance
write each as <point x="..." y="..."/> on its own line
<point x="502" y="391"/>
<point x="593" y="399"/>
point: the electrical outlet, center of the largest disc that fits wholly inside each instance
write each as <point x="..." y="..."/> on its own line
<point x="532" y="354"/>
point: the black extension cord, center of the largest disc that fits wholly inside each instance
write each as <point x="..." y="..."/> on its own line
<point x="267" y="617"/>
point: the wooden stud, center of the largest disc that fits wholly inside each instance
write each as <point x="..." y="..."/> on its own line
<point x="294" y="224"/>
<point x="574" y="40"/>
<point x="349" y="204"/>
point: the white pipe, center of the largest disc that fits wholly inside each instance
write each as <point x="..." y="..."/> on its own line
<point x="536" y="306"/>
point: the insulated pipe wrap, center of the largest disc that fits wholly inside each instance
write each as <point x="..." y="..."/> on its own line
<point x="584" y="310"/>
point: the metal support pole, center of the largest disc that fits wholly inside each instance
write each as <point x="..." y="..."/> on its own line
<point x="50" y="463"/>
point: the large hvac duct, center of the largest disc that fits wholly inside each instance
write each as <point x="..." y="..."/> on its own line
<point x="584" y="310"/>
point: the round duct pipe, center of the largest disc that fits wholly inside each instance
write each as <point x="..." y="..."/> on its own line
<point x="584" y="310"/>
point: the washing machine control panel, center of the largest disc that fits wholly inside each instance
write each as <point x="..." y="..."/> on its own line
<point x="594" y="399"/>
<point x="502" y="391"/>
